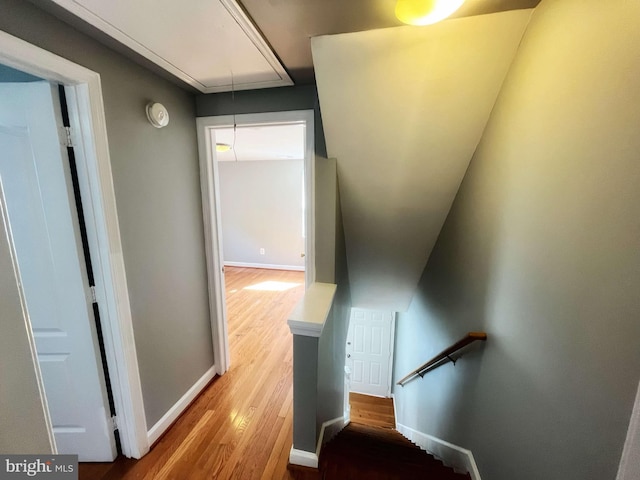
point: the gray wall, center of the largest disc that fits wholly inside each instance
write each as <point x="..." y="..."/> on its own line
<point x="280" y="100"/>
<point x="23" y="428"/>
<point x="333" y="341"/>
<point x="158" y="195"/>
<point x="541" y="251"/>
<point x="261" y="206"/>
<point x="305" y="392"/>
<point x="318" y="376"/>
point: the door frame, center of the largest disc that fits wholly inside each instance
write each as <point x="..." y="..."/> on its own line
<point x="86" y="111"/>
<point x="210" y="187"/>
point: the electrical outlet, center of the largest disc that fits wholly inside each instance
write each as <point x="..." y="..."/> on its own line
<point x="262" y="251"/>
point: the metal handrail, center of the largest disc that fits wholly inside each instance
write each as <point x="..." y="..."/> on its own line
<point x="445" y="354"/>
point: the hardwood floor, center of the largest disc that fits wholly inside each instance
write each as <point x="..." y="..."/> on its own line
<point x="240" y="427"/>
<point x="373" y="411"/>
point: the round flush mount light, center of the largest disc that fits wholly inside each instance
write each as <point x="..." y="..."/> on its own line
<point x="157" y="115"/>
<point x="425" y="12"/>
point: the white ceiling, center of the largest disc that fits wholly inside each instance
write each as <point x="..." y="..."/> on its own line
<point x="261" y="142"/>
<point x="211" y="45"/>
<point x="403" y="111"/>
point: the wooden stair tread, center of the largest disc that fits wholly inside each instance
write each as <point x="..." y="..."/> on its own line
<point x="377" y="453"/>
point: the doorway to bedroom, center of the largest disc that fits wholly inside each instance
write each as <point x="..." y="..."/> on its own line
<point x="262" y="213"/>
<point x="257" y="180"/>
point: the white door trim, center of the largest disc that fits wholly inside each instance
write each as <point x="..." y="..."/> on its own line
<point x="211" y="212"/>
<point x="86" y="110"/>
<point x="392" y="353"/>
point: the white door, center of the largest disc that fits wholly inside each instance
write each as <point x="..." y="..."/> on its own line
<point x="35" y="175"/>
<point x="370" y="351"/>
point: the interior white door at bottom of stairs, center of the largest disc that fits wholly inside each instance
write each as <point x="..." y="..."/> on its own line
<point x="37" y="184"/>
<point x="370" y="351"/>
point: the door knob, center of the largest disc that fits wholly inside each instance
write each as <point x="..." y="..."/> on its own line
<point x="348" y="355"/>
<point x="348" y="343"/>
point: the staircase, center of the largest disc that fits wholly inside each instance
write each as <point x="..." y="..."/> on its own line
<point x="370" y="448"/>
<point x="375" y="453"/>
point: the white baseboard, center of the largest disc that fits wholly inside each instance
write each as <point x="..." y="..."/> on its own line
<point x="266" y="266"/>
<point x="174" y="412"/>
<point x="460" y="459"/>
<point x="395" y="412"/>
<point x="303" y="458"/>
<point x="328" y="430"/>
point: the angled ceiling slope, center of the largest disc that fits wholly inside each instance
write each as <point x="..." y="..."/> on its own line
<point x="403" y="112"/>
<point x="211" y="45"/>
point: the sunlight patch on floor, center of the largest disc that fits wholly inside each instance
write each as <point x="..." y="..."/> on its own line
<point x="273" y="286"/>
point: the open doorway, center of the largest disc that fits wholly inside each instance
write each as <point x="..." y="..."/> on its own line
<point x="259" y="157"/>
<point x="369" y="365"/>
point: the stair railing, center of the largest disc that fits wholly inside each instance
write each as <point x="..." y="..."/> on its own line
<point x="444" y="355"/>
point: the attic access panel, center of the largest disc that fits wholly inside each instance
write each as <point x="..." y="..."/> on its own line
<point x="213" y="46"/>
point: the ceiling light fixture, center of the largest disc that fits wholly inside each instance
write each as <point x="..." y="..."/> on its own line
<point x="223" y="147"/>
<point x="425" y="12"/>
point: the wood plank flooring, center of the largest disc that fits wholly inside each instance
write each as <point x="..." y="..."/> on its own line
<point x="240" y="427"/>
<point x="373" y="411"/>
